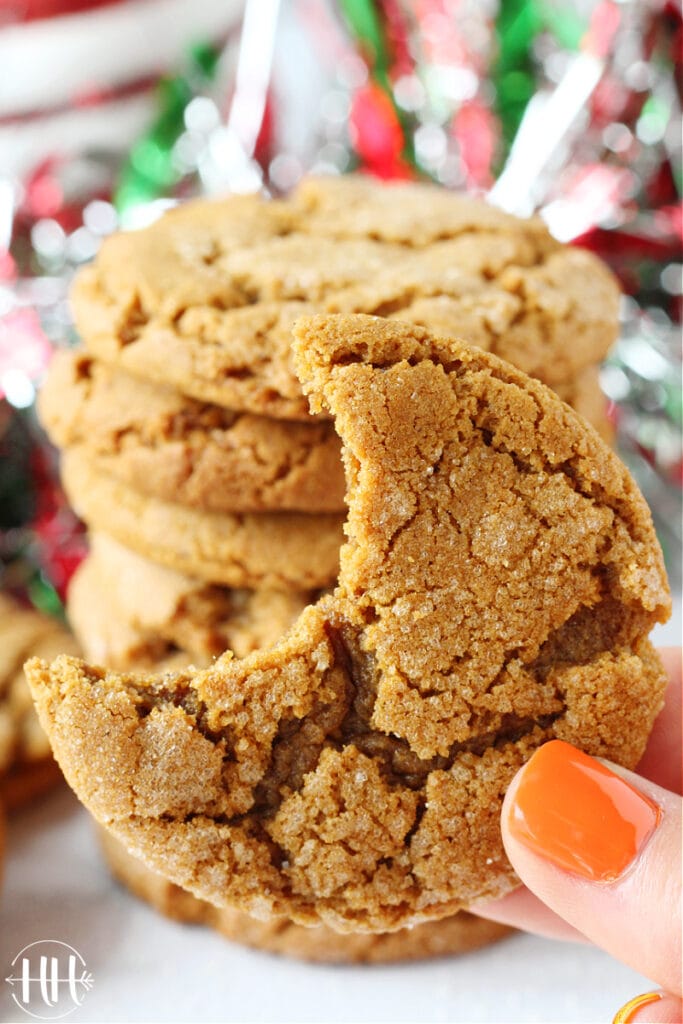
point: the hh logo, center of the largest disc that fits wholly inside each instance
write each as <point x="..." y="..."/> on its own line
<point x="49" y="979"/>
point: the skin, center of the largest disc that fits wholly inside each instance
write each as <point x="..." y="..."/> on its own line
<point x="626" y="917"/>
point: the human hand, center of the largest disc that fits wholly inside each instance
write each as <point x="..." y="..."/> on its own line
<point x="599" y="851"/>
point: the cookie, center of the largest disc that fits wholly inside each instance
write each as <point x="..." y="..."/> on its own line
<point x="171" y="447"/>
<point x="129" y="613"/>
<point x="498" y="584"/>
<point x="27" y="768"/>
<point x="174" y="265"/>
<point x="108" y="638"/>
<point x="460" y="933"/>
<point x="405" y="213"/>
<point x="175" y="303"/>
<point x="239" y="358"/>
<point x="552" y="320"/>
<point x="270" y="550"/>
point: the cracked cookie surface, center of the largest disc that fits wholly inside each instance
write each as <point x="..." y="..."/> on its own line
<point x="204" y="300"/>
<point x="177" y="449"/>
<point x="497" y="587"/>
<point x="460" y="933"/>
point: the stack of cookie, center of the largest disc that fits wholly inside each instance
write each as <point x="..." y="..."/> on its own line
<point x="186" y="436"/>
<point x="210" y="528"/>
<point x="214" y="499"/>
<point x="501" y="577"/>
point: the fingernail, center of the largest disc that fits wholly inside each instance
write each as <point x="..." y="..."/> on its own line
<point x="576" y="813"/>
<point x="626" y="1014"/>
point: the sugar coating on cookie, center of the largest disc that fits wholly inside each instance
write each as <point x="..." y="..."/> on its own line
<point x="499" y="580"/>
<point x="459" y="933"/>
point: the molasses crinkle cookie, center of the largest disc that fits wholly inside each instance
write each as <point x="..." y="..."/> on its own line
<point x="204" y="299"/>
<point x="171" y="447"/>
<point x="130" y="613"/>
<point x="459" y="933"/>
<point x="497" y="587"/>
<point x="272" y="550"/>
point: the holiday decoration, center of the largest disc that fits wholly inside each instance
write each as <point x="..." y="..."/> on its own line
<point x="551" y="106"/>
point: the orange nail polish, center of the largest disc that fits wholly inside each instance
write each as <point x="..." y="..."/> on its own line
<point x="573" y="811"/>
<point x="625" y="1014"/>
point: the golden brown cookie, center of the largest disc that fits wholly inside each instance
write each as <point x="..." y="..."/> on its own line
<point x="107" y="638"/>
<point x="551" y="320"/>
<point x="27" y="768"/>
<point x="174" y="264"/>
<point x="239" y="357"/>
<point x="129" y="613"/>
<point x="406" y="213"/>
<point x="496" y="591"/>
<point x="181" y="303"/>
<point x="460" y="933"/>
<point x="270" y="550"/>
<point x="174" y="448"/>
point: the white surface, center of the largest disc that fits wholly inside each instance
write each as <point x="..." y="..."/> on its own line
<point x="148" y="969"/>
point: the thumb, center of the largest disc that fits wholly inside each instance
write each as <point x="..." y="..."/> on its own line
<point x="602" y="848"/>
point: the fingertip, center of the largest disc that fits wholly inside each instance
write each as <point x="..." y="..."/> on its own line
<point x="580" y="815"/>
<point x="661" y="761"/>
<point x="522" y="909"/>
<point x="672" y="659"/>
<point x="651" y="1008"/>
<point x="601" y="848"/>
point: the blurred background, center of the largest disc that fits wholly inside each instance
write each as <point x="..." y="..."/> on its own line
<point x="111" y="111"/>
